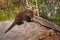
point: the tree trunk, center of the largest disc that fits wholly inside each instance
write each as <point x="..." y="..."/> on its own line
<point x="37" y="11"/>
<point x="28" y="4"/>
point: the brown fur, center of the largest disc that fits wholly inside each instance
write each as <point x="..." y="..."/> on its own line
<point x="25" y="15"/>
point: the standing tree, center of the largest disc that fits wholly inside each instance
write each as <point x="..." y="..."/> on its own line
<point x="37" y="9"/>
<point x="28" y="4"/>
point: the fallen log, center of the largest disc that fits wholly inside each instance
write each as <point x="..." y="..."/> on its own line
<point x="47" y="23"/>
<point x="26" y="31"/>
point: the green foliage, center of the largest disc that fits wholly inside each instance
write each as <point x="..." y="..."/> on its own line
<point x="10" y="8"/>
<point x="8" y="15"/>
<point x="5" y="15"/>
<point x="57" y="20"/>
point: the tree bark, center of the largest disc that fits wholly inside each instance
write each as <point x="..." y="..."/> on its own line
<point x="37" y="11"/>
<point x="28" y="4"/>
